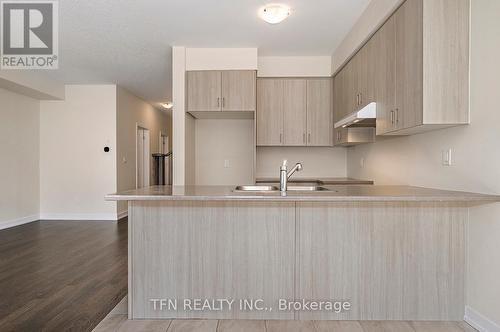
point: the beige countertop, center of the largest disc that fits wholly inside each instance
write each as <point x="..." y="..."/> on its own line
<point x="337" y="193"/>
<point x="319" y="181"/>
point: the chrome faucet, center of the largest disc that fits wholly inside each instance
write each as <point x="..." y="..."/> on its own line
<point x="284" y="175"/>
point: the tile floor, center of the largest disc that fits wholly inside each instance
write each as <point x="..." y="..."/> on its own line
<point x="117" y="321"/>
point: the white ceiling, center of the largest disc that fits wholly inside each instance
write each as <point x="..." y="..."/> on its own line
<point x="128" y="42"/>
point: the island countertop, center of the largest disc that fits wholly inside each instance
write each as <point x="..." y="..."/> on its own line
<point x="336" y="193"/>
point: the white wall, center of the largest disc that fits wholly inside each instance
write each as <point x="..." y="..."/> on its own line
<point x="190" y="152"/>
<point x="294" y="66"/>
<point x="416" y="160"/>
<point x="318" y="162"/>
<point x="219" y="140"/>
<point x="179" y="114"/>
<point x="75" y="172"/>
<point x="221" y="58"/>
<point x="19" y="151"/>
<point x="131" y="112"/>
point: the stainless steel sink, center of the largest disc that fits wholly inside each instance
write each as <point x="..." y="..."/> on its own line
<point x="275" y="188"/>
<point x="256" y="188"/>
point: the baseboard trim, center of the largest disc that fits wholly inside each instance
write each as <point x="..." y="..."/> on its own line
<point x="480" y="322"/>
<point x="79" y="216"/>
<point x="122" y="214"/>
<point x="19" y="221"/>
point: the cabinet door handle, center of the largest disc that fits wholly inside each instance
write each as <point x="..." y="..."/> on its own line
<point x="309" y="137"/>
<point x="392" y="117"/>
<point x="218" y="101"/>
<point x="223" y="102"/>
<point x="397" y="115"/>
<point x="360" y="98"/>
<point x="303" y="137"/>
<point x="281" y="138"/>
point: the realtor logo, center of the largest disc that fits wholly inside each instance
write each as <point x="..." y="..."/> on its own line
<point x="29" y="31"/>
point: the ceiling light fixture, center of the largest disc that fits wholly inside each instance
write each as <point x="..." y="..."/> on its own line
<point x="274" y="13"/>
<point x="167" y="105"/>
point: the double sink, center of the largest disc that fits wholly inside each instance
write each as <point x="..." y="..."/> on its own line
<point x="265" y="188"/>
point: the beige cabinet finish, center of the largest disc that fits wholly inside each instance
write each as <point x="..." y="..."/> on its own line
<point x="203" y="91"/>
<point x="211" y="250"/>
<point x="294" y="112"/>
<point x="415" y="67"/>
<point x="392" y="261"/>
<point x="238" y="90"/>
<point x="319" y="112"/>
<point x="231" y="91"/>
<point x="383" y="45"/>
<point x="269" y="112"/>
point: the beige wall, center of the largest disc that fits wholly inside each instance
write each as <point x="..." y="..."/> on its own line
<point x="220" y="140"/>
<point x="131" y="112"/>
<point x="416" y="160"/>
<point x="75" y="172"/>
<point x="19" y="148"/>
<point x="319" y="162"/>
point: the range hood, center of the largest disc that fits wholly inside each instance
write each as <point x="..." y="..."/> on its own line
<point x="365" y="117"/>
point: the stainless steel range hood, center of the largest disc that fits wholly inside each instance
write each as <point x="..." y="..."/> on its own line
<point x="365" y="117"/>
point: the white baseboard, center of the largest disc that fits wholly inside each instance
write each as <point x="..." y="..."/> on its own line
<point x="79" y="216"/>
<point x="122" y="214"/>
<point x="479" y="322"/>
<point x="19" y="221"/>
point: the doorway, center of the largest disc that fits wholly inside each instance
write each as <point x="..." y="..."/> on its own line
<point x="142" y="153"/>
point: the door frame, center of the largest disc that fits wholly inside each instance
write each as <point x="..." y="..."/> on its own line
<point x="147" y="160"/>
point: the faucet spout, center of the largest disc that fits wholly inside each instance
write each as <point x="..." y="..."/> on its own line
<point x="285" y="175"/>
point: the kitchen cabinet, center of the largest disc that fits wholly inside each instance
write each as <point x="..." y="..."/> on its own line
<point x="353" y="135"/>
<point x="294" y="112"/>
<point x="319" y="112"/>
<point x="415" y="67"/>
<point x="232" y="90"/>
<point x="269" y="116"/>
<point x="203" y="91"/>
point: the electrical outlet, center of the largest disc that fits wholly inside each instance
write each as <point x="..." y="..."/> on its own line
<point x="447" y="157"/>
<point x="226" y="163"/>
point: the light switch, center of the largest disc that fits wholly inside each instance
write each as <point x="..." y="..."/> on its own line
<point x="226" y="163"/>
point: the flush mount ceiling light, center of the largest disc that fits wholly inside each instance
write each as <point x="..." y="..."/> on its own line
<point x="274" y="13"/>
<point x="167" y="105"/>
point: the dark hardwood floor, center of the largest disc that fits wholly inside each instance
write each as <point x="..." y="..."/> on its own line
<point x="61" y="275"/>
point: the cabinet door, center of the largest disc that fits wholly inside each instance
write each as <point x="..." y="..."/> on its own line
<point x="238" y="90"/>
<point x="409" y="64"/>
<point x="350" y="103"/>
<point x="339" y="136"/>
<point x="383" y="46"/>
<point x="203" y="91"/>
<point x="294" y="112"/>
<point x="338" y="96"/>
<point x="319" y="112"/>
<point x="269" y="112"/>
<point x="362" y="72"/>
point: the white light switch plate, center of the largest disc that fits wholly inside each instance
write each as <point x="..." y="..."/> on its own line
<point x="226" y="163"/>
<point x="447" y="157"/>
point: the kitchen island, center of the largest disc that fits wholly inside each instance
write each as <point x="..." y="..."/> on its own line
<point x="355" y="252"/>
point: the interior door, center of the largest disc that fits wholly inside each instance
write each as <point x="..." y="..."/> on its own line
<point x="294" y="112"/>
<point x="204" y="91"/>
<point x="319" y="112"/>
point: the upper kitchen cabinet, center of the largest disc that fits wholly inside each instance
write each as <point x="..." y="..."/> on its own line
<point x="269" y="112"/>
<point x="415" y="68"/>
<point x="238" y="90"/>
<point x="319" y="112"/>
<point x="294" y="112"/>
<point x="232" y="90"/>
<point x="203" y="91"/>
